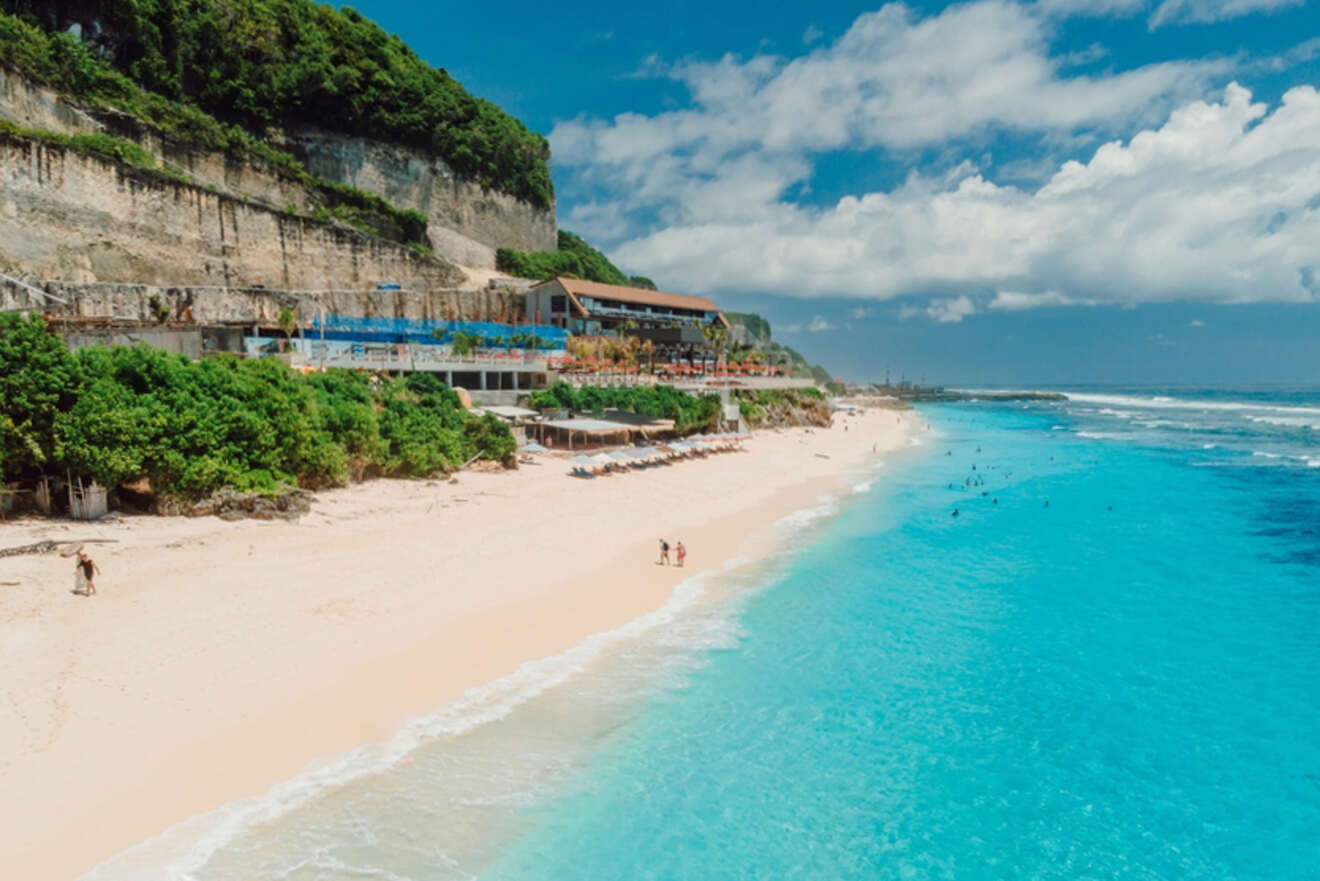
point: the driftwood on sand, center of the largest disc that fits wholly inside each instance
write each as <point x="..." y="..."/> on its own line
<point x="45" y="547"/>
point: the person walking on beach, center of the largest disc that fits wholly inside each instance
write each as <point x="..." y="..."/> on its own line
<point x="664" y="553"/>
<point x="85" y="569"/>
<point x="681" y="552"/>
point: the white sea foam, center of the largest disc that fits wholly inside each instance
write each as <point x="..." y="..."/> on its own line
<point x="1104" y="435"/>
<point x="1158" y="402"/>
<point x="804" y="517"/>
<point x="1289" y="421"/>
<point x="1168" y="423"/>
<point x="1266" y="455"/>
<point x="179" y="852"/>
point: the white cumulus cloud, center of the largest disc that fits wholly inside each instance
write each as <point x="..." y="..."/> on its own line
<point x="1220" y="203"/>
<point x="1016" y="301"/>
<point x="1202" y="199"/>
<point x="1201" y="11"/>
<point x="893" y="81"/>
<point x="951" y="310"/>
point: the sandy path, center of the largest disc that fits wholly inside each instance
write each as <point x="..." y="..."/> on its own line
<point x="219" y="658"/>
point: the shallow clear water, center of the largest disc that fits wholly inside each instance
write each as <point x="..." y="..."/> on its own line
<point x="1122" y="684"/>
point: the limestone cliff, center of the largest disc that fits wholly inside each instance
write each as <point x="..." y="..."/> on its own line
<point x="69" y="215"/>
<point x="466" y="223"/>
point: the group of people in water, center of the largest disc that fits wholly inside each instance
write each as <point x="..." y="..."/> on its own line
<point x="680" y="554"/>
<point x="977" y="480"/>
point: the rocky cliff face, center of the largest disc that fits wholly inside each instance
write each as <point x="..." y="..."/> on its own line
<point x="101" y="304"/>
<point x="68" y="215"/>
<point x="466" y="222"/>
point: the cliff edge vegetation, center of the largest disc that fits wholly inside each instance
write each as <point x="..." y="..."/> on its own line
<point x="222" y="73"/>
<point x="758" y="345"/>
<point x="574" y="259"/>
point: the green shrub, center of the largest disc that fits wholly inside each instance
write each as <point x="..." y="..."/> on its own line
<point x="759" y="407"/>
<point x="574" y="259"/>
<point x="123" y="413"/>
<point x="39" y="380"/>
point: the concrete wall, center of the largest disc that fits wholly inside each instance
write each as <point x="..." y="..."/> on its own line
<point x="181" y="341"/>
<point x="66" y="215"/>
<point x="540" y="303"/>
<point x="467" y="218"/>
<point x="467" y="223"/>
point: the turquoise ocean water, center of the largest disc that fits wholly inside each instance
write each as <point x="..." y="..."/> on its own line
<point x="1123" y="683"/>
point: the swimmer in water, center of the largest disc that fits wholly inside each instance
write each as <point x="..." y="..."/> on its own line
<point x="955" y="512"/>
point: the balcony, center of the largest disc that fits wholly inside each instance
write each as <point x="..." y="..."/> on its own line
<point x="671" y="336"/>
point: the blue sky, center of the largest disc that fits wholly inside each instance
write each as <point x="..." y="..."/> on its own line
<point x="989" y="192"/>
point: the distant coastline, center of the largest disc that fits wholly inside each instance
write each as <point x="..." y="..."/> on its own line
<point x="915" y="394"/>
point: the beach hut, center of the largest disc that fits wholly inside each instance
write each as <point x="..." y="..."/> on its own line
<point x="584" y="431"/>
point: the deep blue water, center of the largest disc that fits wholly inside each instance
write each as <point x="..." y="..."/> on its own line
<point x="1121" y="684"/>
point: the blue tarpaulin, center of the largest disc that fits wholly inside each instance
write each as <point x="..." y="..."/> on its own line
<point x="410" y="330"/>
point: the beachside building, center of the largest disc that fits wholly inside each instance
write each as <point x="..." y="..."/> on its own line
<point x="589" y="308"/>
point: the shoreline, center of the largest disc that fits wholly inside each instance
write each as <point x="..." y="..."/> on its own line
<point x="239" y="653"/>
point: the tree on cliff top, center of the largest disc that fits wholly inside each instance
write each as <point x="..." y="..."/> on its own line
<point x="291" y="63"/>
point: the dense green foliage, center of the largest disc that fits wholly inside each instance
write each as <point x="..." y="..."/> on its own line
<point x="251" y="64"/>
<point x="641" y="281"/>
<point x="67" y="64"/>
<point x="371" y="214"/>
<point x="120" y="414"/>
<point x="758" y="329"/>
<point x="60" y="61"/>
<point x="689" y="412"/>
<point x="38" y="382"/>
<point x="772" y="407"/>
<point x="574" y="259"/>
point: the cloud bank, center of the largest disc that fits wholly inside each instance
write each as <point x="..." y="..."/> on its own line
<point x="1216" y="201"/>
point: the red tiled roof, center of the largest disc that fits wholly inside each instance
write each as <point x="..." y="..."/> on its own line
<point x="642" y="296"/>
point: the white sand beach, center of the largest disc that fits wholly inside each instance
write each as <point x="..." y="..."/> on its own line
<point x="219" y="658"/>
